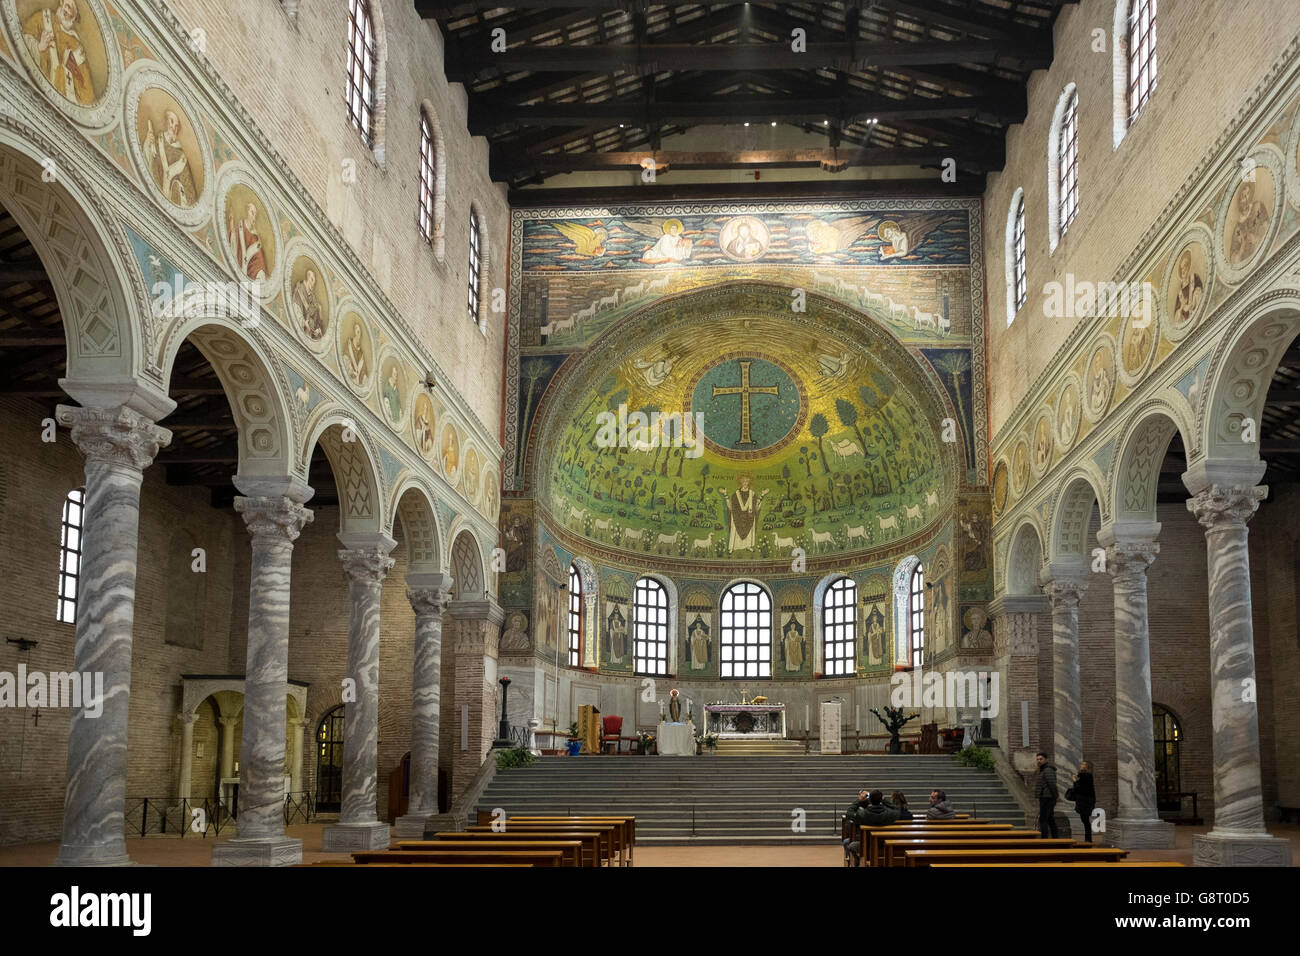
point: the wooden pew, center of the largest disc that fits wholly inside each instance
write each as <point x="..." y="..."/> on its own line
<point x="380" y="866"/>
<point x="590" y="840"/>
<point x="846" y="828"/>
<point x="627" y="832"/>
<point x="606" y="833"/>
<point x="894" y="850"/>
<point x="871" y="851"/>
<point x="546" y="853"/>
<point x="1022" y="855"/>
<point x="1084" y="863"/>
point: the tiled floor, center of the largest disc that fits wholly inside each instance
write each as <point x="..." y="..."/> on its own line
<point x="194" y="852"/>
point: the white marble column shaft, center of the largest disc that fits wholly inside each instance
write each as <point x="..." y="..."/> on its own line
<point x="1239" y="836"/>
<point x="187" y="756"/>
<point x="429" y="604"/>
<point x="274" y="522"/>
<point x="1067" y="705"/>
<point x="118" y="444"/>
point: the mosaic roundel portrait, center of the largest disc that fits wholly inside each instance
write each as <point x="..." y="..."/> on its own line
<point x="1020" y="467"/>
<point x="1000" y="482"/>
<point x="1137" y="345"/>
<point x="422" y="425"/>
<point x="1042" y="446"/>
<point x="63" y="42"/>
<point x="309" y="301"/>
<point x="744" y="239"/>
<point x="356" y="353"/>
<point x="392" y="389"/>
<point x="170" y="150"/>
<point x="1248" y="217"/>
<point x="248" y="234"/>
<point x="449" y="451"/>
<point x="1185" y="288"/>
<point x="1068" y="414"/>
<point x="470" y="473"/>
<point x="491" y="493"/>
<point x="1099" y="381"/>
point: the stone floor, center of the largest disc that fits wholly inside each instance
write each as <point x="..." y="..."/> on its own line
<point x="167" y="851"/>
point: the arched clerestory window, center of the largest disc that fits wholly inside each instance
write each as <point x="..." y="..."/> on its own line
<point x="840" y="628"/>
<point x="362" y="70"/>
<point x="649" y="627"/>
<point x="745" y="631"/>
<point x="575" y="617"/>
<point x="1014" y="256"/>
<point x="1135" y="62"/>
<point x="916" y="616"/>
<point x="1063" y="166"/>
<point x="475" y="266"/>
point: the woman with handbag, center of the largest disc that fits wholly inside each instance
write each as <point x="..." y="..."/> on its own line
<point x="1084" y="795"/>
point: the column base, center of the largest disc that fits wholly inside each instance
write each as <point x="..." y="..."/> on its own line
<point x="1138" y="834"/>
<point x="413" y="825"/>
<point x="442" y="823"/>
<point x="350" y="837"/>
<point x="258" y="851"/>
<point x="93" y="854"/>
<point x="1240" y="849"/>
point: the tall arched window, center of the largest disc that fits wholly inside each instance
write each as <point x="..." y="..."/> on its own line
<point x="475" y="265"/>
<point x="840" y="628"/>
<point x="1017" y="283"/>
<point x="1063" y="166"/>
<point x="70" y="555"/>
<point x="746" y="631"/>
<point x="1141" y="45"/>
<point x="1168" y="741"/>
<point x="428" y="178"/>
<point x="361" y="69"/>
<point x="329" y="761"/>
<point x="575" y="617"/>
<point x="649" y="627"/>
<point x="916" y="616"/>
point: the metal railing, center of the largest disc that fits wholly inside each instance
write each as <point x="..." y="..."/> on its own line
<point x="170" y="816"/>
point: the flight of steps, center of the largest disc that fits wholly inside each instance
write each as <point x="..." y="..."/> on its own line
<point x="722" y="799"/>
<point x="739" y="747"/>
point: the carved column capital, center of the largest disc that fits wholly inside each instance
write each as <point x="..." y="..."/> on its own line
<point x="428" y="601"/>
<point x="1128" y="561"/>
<point x="114" y="436"/>
<point x="366" y="565"/>
<point x="187" y="719"/>
<point x="1065" y="592"/>
<point x="274" y="517"/>
<point x="1220" y="507"/>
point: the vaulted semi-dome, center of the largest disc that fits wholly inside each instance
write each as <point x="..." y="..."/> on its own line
<point x="725" y="425"/>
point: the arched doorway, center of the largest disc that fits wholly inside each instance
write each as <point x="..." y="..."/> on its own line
<point x="329" y="762"/>
<point x="1168" y="743"/>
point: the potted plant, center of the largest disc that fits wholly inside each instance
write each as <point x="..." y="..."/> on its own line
<point x="710" y="742"/>
<point x="644" y="741"/>
<point x="575" y="742"/>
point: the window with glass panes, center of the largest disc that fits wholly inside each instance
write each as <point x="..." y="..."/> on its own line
<point x="839" y="628"/>
<point x="1018" y="255"/>
<point x="70" y="556"/>
<point x="575" y="617"/>
<point x="746" y="631"/>
<point x="475" y="266"/>
<point x="649" y="627"/>
<point x="916" y="615"/>
<point x="428" y="178"/>
<point x="1141" y="55"/>
<point x="1068" y="156"/>
<point x="361" y="69"/>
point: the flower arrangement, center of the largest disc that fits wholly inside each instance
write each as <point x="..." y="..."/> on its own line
<point x="644" y="741"/>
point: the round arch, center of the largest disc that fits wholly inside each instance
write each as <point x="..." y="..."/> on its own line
<point x="467" y="566"/>
<point x="1025" y="559"/>
<point x="1142" y="448"/>
<point x="86" y="257"/>
<point x="1068" y="534"/>
<point x="670" y="591"/>
<point x="413" y="506"/>
<point x="352" y="459"/>
<point x="243" y="366"/>
<point x="819" y="619"/>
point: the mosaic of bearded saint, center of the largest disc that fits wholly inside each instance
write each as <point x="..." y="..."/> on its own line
<point x="307" y="307"/>
<point x="1251" y="225"/>
<point x="1188" y="291"/>
<point x="53" y="39"/>
<point x="166" y="152"/>
<point x="743" y="508"/>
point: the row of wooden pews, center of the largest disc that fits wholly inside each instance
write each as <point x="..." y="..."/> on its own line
<point x="524" y="841"/>
<point x="975" y="842"/>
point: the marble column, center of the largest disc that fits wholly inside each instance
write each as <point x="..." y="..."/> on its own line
<point x="366" y="563"/>
<point x="1238" y="837"/>
<point x="274" y="521"/>
<point x="187" y="756"/>
<point x="296" y="727"/>
<point x="477" y="640"/>
<point x="429" y="595"/>
<point x="1064" y="588"/>
<point x="1130" y="550"/>
<point x="227" y="762"/>
<point x="118" y="444"/>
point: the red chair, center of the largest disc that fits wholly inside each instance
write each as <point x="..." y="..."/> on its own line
<point x="613" y="728"/>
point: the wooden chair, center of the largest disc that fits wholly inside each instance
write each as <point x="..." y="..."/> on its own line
<point x="612" y="729"/>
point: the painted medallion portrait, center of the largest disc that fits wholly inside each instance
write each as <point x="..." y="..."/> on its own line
<point x="491" y="493"/>
<point x="744" y="239"/>
<point x="1000" y="483"/>
<point x="249" y="236"/>
<point x="392" y="388"/>
<point x="1020" y="467"/>
<point x="65" y="43"/>
<point x="1137" y="342"/>
<point x="170" y="147"/>
<point x="356" y="353"/>
<point x="1248" y="217"/>
<point x="1042" y="451"/>
<point x="473" y="464"/>
<point x="1067" y="415"/>
<point x="422" y="425"/>
<point x="449" y="451"/>
<point x="1099" y="385"/>
<point x="308" y="299"/>
<point x="1186" y="289"/>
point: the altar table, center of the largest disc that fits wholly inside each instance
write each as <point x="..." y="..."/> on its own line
<point x="676" y="740"/>
<point x="750" y="721"/>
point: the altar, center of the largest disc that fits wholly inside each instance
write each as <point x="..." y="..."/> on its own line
<point x="676" y="739"/>
<point x="751" y="721"/>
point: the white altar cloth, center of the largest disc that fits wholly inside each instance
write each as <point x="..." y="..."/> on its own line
<point x="676" y="740"/>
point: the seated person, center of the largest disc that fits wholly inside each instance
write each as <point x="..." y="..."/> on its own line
<point x="874" y="813"/>
<point x="898" y="803"/>
<point x="854" y="815"/>
<point x="940" y="808"/>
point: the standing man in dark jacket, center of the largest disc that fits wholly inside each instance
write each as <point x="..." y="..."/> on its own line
<point x="1045" y="791"/>
<point x="1084" y="795"/>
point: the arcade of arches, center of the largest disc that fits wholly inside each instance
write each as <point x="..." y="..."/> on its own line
<point x="311" y="441"/>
